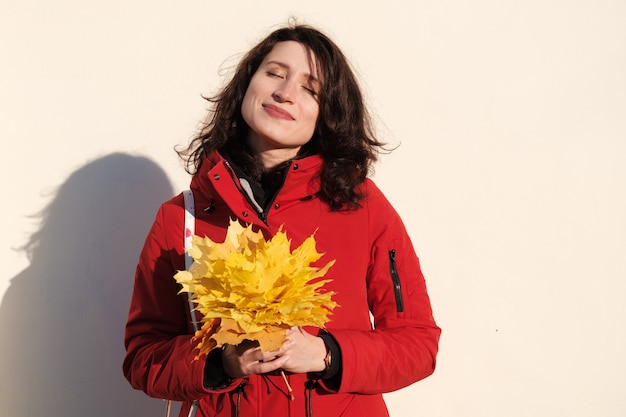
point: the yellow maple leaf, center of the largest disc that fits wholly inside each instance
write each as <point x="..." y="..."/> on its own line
<point x="250" y="288"/>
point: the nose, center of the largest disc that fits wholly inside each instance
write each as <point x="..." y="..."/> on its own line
<point x="285" y="92"/>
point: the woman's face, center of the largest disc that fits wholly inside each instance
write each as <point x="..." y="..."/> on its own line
<point x="280" y="105"/>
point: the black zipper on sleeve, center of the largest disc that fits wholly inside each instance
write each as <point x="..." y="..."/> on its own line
<point x="395" y="278"/>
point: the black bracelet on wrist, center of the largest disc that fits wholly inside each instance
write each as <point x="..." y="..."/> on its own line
<point x="332" y="361"/>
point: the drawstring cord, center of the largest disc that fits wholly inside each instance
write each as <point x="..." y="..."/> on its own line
<point x="310" y="386"/>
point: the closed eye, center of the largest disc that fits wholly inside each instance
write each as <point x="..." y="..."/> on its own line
<point x="310" y="90"/>
<point x="274" y="75"/>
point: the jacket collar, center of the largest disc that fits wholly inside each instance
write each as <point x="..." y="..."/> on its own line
<point x="216" y="179"/>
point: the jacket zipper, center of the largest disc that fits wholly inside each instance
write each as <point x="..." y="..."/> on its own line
<point x="263" y="215"/>
<point x="238" y="407"/>
<point x="231" y="171"/>
<point x="395" y="278"/>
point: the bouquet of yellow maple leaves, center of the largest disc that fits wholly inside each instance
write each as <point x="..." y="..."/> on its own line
<point x="251" y="288"/>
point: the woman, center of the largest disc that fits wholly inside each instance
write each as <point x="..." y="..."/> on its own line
<point x="288" y="143"/>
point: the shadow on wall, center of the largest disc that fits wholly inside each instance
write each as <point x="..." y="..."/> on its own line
<point x="62" y="319"/>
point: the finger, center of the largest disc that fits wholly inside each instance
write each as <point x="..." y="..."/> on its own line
<point x="265" y="367"/>
<point x="255" y="355"/>
<point x="296" y="332"/>
<point x="287" y="345"/>
<point x="268" y="356"/>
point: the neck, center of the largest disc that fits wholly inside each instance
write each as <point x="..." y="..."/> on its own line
<point x="272" y="157"/>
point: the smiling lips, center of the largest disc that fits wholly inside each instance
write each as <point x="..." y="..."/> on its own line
<point x="277" y="112"/>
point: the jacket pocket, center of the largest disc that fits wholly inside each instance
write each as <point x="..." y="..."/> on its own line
<point x="395" y="279"/>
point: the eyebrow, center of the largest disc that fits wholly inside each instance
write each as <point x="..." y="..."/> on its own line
<point x="310" y="77"/>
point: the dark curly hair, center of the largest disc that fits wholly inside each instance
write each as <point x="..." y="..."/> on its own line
<point x="343" y="136"/>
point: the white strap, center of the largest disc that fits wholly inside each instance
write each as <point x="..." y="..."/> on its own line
<point x="190" y="226"/>
<point x="193" y="409"/>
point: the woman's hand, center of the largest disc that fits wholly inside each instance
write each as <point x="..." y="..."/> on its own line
<point x="247" y="358"/>
<point x="303" y="352"/>
<point x="300" y="353"/>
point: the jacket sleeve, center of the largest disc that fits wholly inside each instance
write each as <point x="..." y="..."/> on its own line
<point x="402" y="347"/>
<point x="160" y="357"/>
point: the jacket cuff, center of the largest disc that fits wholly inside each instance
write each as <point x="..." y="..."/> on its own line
<point x="331" y="377"/>
<point x="215" y="378"/>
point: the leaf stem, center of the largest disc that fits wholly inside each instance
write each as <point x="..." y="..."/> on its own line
<point x="291" y="397"/>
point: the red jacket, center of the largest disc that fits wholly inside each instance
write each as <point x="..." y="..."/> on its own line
<point x="376" y="277"/>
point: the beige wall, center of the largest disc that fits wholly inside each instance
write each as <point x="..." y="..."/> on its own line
<point x="510" y="176"/>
